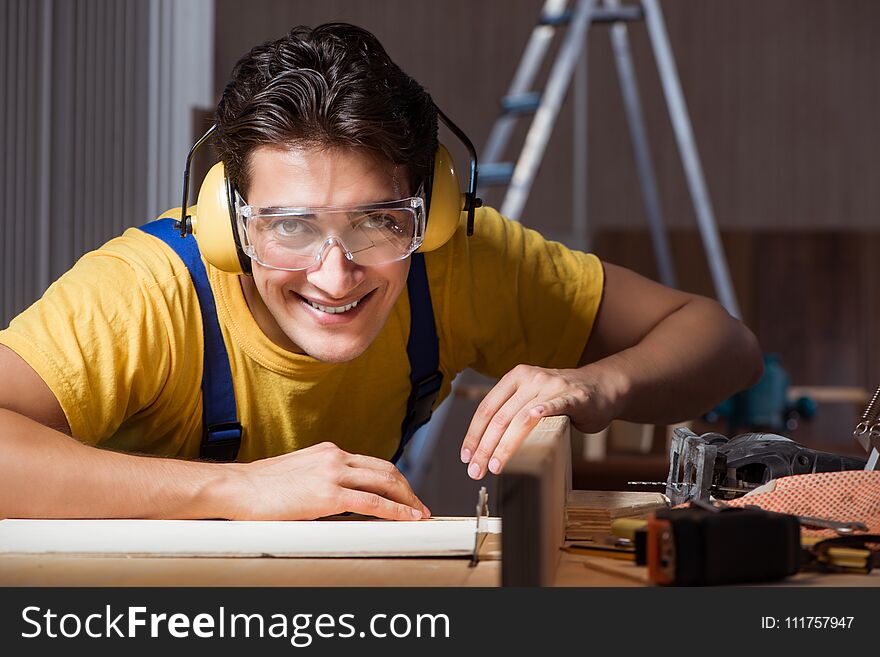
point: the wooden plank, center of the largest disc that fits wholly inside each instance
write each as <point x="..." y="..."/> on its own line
<point x="614" y="504"/>
<point x="533" y="489"/>
<point x="832" y="394"/>
<point x="589" y="513"/>
<point x="344" y="537"/>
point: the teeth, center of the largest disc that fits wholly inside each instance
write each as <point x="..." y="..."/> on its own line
<point x="332" y="309"/>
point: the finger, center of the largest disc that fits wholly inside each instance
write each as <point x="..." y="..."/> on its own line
<point x="561" y="405"/>
<point x="495" y="430"/>
<point x="495" y="399"/>
<point x="371" y="504"/>
<point x="520" y="426"/>
<point x="383" y="466"/>
<point x="372" y="462"/>
<point x="387" y="483"/>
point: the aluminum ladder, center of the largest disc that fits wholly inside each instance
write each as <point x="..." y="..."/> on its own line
<point x="522" y="101"/>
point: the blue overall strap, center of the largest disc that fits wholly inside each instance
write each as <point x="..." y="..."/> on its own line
<point x="221" y="431"/>
<point x="423" y="351"/>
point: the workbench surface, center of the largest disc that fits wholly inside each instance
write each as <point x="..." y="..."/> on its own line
<point x="573" y="570"/>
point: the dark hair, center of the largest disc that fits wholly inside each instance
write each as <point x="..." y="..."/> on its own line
<point x="331" y="86"/>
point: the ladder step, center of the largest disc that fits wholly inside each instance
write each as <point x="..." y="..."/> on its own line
<point x="496" y="173"/>
<point x="521" y="103"/>
<point x="627" y="14"/>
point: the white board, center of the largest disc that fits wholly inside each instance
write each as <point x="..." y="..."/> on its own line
<point x="220" y="538"/>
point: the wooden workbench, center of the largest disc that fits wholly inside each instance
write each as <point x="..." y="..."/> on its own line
<point x="533" y="494"/>
<point x="572" y="570"/>
<point x="43" y="570"/>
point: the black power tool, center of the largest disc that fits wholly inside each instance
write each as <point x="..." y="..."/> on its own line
<point x="725" y="468"/>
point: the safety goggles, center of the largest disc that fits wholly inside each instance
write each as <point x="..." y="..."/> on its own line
<point x="293" y="239"/>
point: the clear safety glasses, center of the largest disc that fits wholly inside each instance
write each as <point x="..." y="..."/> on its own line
<point x="294" y="239"/>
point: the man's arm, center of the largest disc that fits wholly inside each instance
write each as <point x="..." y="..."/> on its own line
<point x="654" y="355"/>
<point x="45" y="473"/>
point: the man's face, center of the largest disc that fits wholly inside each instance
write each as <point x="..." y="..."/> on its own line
<point x="284" y="307"/>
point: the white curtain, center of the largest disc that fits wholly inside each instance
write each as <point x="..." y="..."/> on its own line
<point x="95" y="120"/>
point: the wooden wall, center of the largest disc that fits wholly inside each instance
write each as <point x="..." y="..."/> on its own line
<point x="783" y="97"/>
<point x="810" y="297"/>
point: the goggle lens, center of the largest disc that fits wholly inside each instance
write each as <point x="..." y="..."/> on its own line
<point x="296" y="239"/>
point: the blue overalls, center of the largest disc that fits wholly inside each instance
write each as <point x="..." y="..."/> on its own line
<point x="221" y="430"/>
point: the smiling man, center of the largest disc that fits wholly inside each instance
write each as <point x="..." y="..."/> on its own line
<point x="332" y="312"/>
<point x="332" y="175"/>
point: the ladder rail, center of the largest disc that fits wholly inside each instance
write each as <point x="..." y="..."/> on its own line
<point x="684" y="137"/>
<point x="632" y="104"/>
<point x="523" y="79"/>
<point x="551" y="102"/>
<point x="572" y="55"/>
<point x="579" y="184"/>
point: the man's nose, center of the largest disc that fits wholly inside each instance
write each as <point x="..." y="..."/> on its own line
<point x="334" y="273"/>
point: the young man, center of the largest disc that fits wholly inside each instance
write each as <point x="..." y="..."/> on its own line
<point x="331" y="149"/>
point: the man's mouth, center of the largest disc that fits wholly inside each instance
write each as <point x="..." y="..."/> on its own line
<point x="334" y="310"/>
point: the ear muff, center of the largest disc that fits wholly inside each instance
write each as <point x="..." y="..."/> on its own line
<point x="446" y="202"/>
<point x="213" y="224"/>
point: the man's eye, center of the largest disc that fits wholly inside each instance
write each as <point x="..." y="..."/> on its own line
<point x="287" y="227"/>
<point x="382" y="222"/>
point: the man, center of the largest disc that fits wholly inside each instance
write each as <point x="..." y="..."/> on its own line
<point x="101" y="414"/>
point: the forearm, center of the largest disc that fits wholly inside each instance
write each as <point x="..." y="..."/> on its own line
<point x="45" y="474"/>
<point x="655" y="355"/>
<point x="694" y="358"/>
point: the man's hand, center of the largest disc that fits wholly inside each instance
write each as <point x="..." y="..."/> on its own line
<point x="46" y="474"/>
<point x="655" y="355"/>
<point x="318" y="481"/>
<point x="519" y="400"/>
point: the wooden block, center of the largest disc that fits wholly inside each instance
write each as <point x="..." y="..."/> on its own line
<point x="533" y="489"/>
<point x="831" y="394"/>
<point x="338" y="537"/>
<point x="589" y="513"/>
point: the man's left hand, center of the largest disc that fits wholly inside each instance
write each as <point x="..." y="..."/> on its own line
<point x="518" y="402"/>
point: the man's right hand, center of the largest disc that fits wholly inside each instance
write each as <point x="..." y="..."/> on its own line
<point x="47" y="474"/>
<point x="317" y="481"/>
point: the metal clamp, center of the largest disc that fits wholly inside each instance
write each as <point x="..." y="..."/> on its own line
<point x="482" y="528"/>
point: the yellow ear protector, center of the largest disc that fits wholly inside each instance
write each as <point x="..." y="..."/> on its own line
<point x="214" y="221"/>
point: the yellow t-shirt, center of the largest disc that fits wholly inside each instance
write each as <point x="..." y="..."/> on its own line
<point x="118" y="340"/>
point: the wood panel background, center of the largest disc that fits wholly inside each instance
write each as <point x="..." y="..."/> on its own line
<point x="782" y="94"/>
<point x="810" y="298"/>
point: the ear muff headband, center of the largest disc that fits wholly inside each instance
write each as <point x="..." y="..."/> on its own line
<point x="470" y="201"/>
<point x="214" y="222"/>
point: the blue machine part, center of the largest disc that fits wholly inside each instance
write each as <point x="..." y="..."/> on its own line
<point x="766" y="405"/>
